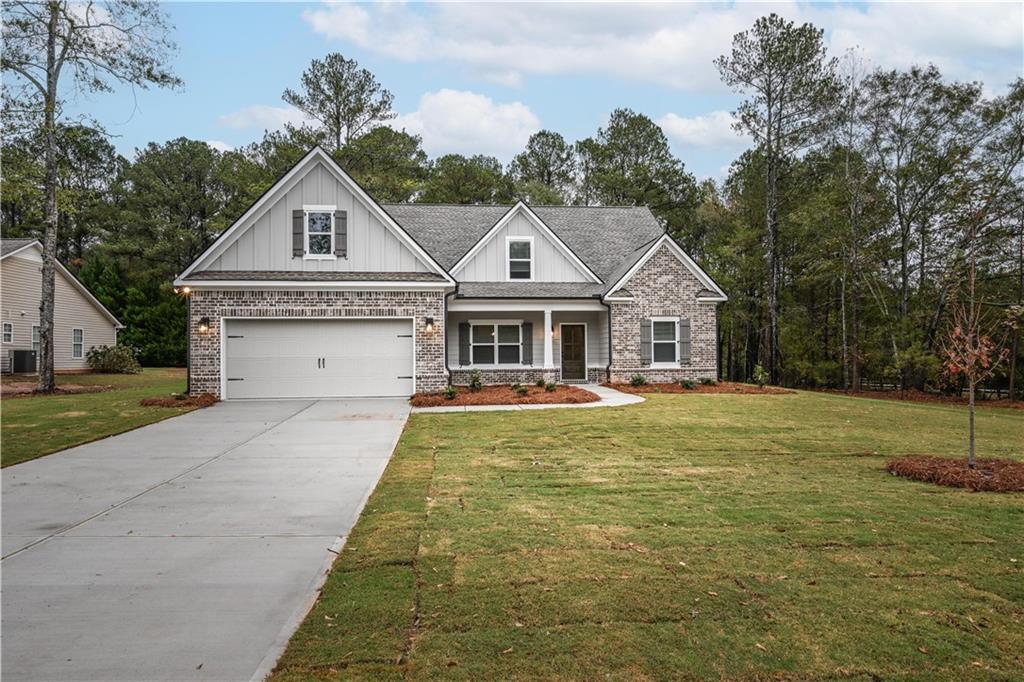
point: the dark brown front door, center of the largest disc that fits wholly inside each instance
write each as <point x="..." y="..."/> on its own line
<point x="574" y="352"/>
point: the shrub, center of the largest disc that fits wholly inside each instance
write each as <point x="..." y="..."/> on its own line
<point x="449" y="392"/>
<point x="113" y="360"/>
<point x="759" y="377"/>
<point x="638" y="380"/>
<point x="689" y="384"/>
<point x="708" y="382"/>
<point x="476" y="380"/>
<point x="540" y="383"/>
<point x="550" y="387"/>
<point x="520" y="390"/>
<point x="516" y="386"/>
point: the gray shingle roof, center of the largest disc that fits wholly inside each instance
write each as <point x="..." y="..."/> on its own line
<point x="11" y="245"/>
<point x="299" y="276"/>
<point x="529" y="290"/>
<point x="602" y="236"/>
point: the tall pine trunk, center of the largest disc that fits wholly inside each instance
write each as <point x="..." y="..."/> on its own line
<point x="46" y="378"/>
<point x="772" y="227"/>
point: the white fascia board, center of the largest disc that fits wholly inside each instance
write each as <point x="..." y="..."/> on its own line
<point x="520" y="207"/>
<point x="683" y="258"/>
<point x="523" y="305"/>
<point x="317" y="152"/>
<point x="73" y="281"/>
<point x="311" y="285"/>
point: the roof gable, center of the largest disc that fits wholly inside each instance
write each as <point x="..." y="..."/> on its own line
<point x="530" y="225"/>
<point x="714" y="293"/>
<point x="261" y="238"/>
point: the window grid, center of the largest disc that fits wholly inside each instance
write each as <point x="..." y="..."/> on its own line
<point x="319" y="233"/>
<point x="8" y="332"/>
<point x="520" y="258"/>
<point x="496" y="344"/>
<point x="664" y="341"/>
<point x="35" y="338"/>
<point x="77" y="342"/>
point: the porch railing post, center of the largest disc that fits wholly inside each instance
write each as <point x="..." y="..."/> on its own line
<point x="549" y="353"/>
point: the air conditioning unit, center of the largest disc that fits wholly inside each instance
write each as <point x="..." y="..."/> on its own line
<point x="22" y="361"/>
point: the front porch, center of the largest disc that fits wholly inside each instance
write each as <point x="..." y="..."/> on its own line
<point x="523" y="341"/>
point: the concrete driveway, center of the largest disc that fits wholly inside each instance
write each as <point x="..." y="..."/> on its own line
<point x="188" y="549"/>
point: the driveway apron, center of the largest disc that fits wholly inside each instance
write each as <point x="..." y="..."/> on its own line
<point x="188" y="549"/>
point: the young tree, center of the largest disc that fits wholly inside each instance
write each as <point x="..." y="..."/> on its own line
<point x="122" y="41"/>
<point x="343" y="99"/>
<point x="456" y="179"/>
<point x="793" y="92"/>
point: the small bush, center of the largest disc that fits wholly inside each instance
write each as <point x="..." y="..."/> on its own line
<point x="449" y="392"/>
<point x="113" y="360"/>
<point x="516" y="386"/>
<point x="476" y="380"/>
<point x="540" y="383"/>
<point x="688" y="384"/>
<point x="550" y="387"/>
<point x="638" y="380"/>
<point x="708" y="382"/>
<point x="520" y="390"/>
<point x="759" y="377"/>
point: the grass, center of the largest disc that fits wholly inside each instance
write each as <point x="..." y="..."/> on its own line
<point x="40" y="425"/>
<point x="696" y="536"/>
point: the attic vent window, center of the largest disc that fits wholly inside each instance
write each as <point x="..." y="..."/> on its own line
<point x="520" y="258"/>
<point x="320" y="233"/>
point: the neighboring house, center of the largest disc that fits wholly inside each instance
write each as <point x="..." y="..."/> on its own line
<point x="80" y="321"/>
<point x="318" y="290"/>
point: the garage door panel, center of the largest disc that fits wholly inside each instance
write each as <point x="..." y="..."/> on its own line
<point x="282" y="358"/>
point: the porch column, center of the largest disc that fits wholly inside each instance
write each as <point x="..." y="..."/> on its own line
<point x="549" y="354"/>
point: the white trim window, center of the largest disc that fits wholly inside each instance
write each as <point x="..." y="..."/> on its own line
<point x="496" y="343"/>
<point x="77" y="343"/>
<point x="664" y="341"/>
<point x="8" y="332"/>
<point x="318" y="232"/>
<point x="519" y="259"/>
<point x="35" y="338"/>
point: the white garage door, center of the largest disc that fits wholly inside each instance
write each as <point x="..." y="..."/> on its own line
<point x="318" y="358"/>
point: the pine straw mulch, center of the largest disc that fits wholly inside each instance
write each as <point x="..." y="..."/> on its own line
<point x="504" y="395"/>
<point x="28" y="390"/>
<point x="915" y="396"/>
<point x="720" y="387"/>
<point x="203" y="400"/>
<point x="989" y="475"/>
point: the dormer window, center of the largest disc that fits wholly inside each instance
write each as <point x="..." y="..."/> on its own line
<point x="519" y="251"/>
<point x="319" y="231"/>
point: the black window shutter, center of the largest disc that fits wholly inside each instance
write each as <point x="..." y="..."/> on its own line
<point x="298" y="227"/>
<point x="341" y="234"/>
<point x="646" y="342"/>
<point x="527" y="349"/>
<point x="684" y="341"/>
<point x="464" y="343"/>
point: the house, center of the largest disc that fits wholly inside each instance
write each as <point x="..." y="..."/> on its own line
<point x="80" y="321"/>
<point x="317" y="290"/>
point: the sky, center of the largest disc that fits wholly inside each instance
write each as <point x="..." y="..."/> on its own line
<point x="482" y="77"/>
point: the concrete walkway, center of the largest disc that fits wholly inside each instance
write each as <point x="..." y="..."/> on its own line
<point x="609" y="398"/>
<point x="188" y="549"/>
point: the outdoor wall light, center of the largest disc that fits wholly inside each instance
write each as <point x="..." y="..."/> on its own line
<point x="204" y="325"/>
<point x="429" y="324"/>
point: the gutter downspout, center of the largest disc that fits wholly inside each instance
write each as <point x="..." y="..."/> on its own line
<point x="188" y="348"/>
<point x="444" y="312"/>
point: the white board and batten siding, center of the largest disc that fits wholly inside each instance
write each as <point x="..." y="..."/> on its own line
<point x="549" y="263"/>
<point x="20" y="291"/>
<point x="597" y="333"/>
<point x="266" y="244"/>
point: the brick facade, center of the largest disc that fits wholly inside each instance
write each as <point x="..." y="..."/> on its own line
<point x="663" y="286"/>
<point x="332" y="304"/>
<point x="526" y="375"/>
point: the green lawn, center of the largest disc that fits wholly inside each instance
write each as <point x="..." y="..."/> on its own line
<point x="702" y="536"/>
<point x="38" y="425"/>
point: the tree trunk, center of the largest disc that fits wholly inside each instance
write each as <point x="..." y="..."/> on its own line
<point x="46" y="378"/>
<point x="970" y="419"/>
<point x="842" y="314"/>
<point x="772" y="225"/>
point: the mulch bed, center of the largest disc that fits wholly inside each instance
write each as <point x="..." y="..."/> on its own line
<point x="990" y="475"/>
<point x="504" y="395"/>
<point x="720" y="387"/>
<point x="204" y="400"/>
<point x="915" y="396"/>
<point x="28" y="390"/>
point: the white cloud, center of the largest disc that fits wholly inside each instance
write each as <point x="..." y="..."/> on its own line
<point x="461" y="122"/>
<point x="669" y="44"/>
<point x="263" y="117"/>
<point x="220" y="145"/>
<point x="707" y="131"/>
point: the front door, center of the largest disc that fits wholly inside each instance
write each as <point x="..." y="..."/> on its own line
<point x="574" y="352"/>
